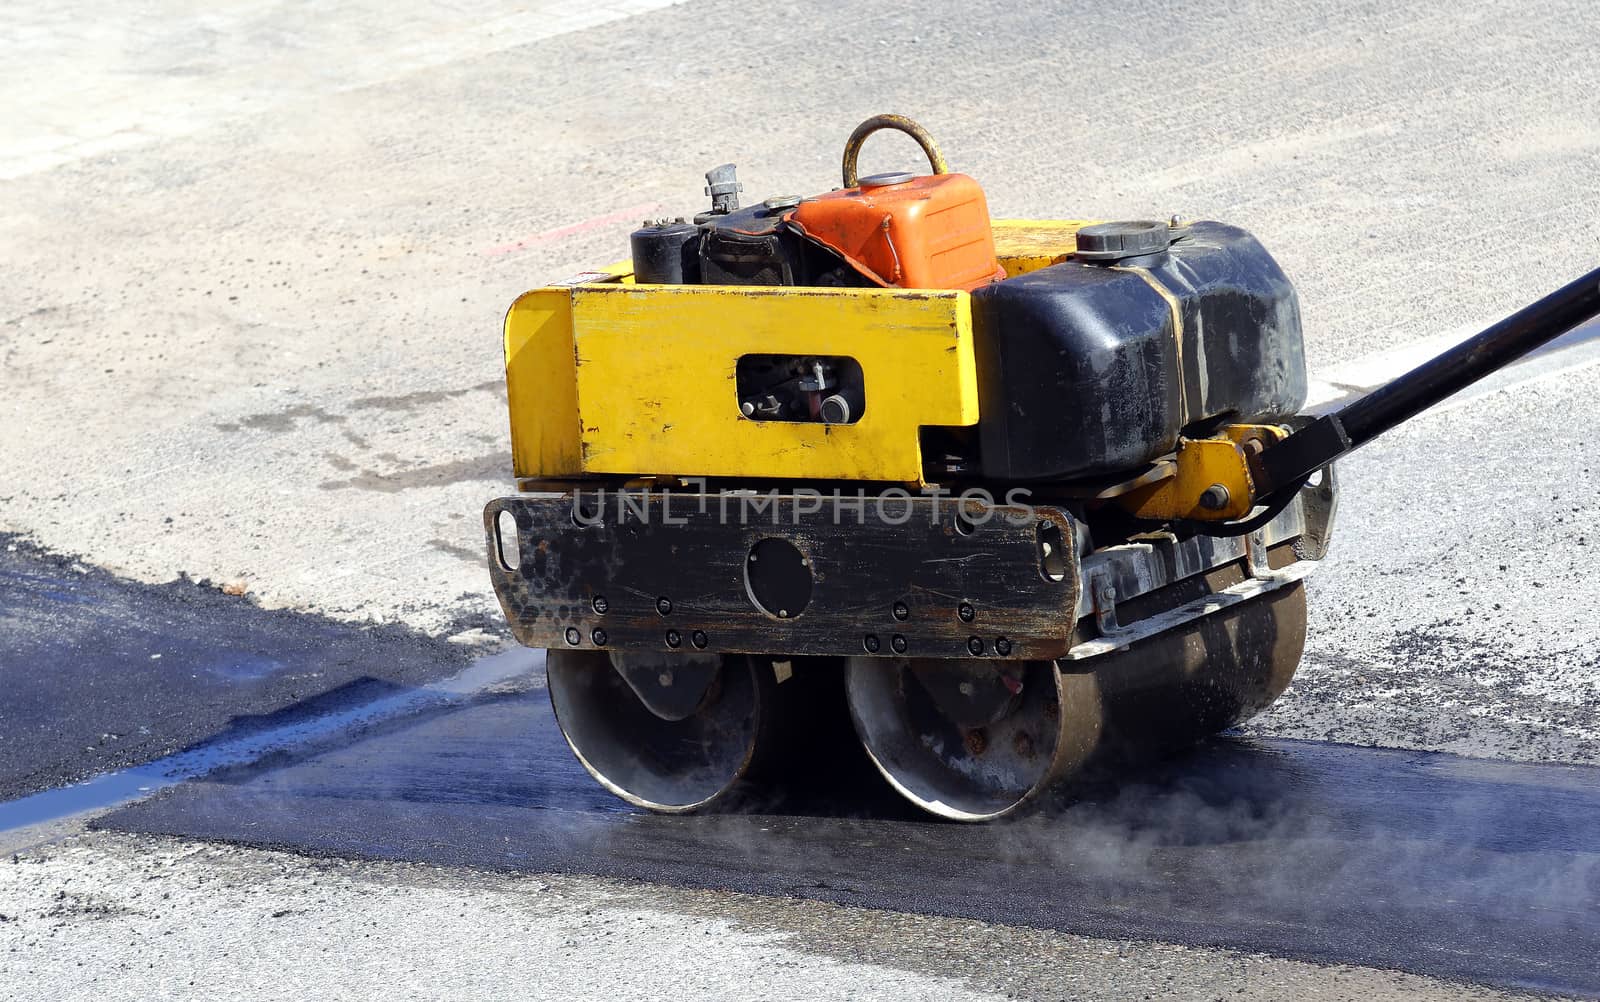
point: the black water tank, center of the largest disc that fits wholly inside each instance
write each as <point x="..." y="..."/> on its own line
<point x="1082" y="371"/>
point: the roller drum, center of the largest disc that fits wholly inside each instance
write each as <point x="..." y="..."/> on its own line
<point x="761" y="728"/>
<point x="1070" y="720"/>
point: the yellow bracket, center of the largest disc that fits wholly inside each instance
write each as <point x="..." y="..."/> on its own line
<point x="1210" y="479"/>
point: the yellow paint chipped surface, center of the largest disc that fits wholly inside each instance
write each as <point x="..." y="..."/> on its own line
<point x="542" y="385"/>
<point x="1025" y="245"/>
<point x="656" y="369"/>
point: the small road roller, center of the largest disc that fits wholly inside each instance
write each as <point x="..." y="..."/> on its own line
<point x="1012" y="497"/>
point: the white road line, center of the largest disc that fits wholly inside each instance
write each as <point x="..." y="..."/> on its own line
<point x="114" y="789"/>
<point x="1525" y="374"/>
<point x="1338" y="384"/>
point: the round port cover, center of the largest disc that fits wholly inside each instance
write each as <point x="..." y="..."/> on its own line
<point x="1114" y="241"/>
<point x="778" y="578"/>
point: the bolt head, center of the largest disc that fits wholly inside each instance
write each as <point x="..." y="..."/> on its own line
<point x="599" y="637"/>
<point x="698" y="638"/>
<point x="1215" y="498"/>
<point x="1002" y="646"/>
<point x="664" y="606"/>
<point x="974" y="647"/>
<point x="674" y="638"/>
<point x="600" y="604"/>
<point x="901" y="611"/>
<point x="898" y="643"/>
<point x="574" y="638"/>
<point x="870" y="642"/>
<point x="966" y="612"/>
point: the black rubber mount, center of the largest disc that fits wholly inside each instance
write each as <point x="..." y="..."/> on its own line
<point x="1115" y="241"/>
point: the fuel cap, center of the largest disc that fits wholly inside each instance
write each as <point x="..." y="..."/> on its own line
<point x="1114" y="241"/>
<point x="887" y="178"/>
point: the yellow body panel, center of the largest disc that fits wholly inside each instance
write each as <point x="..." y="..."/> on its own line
<point x="1025" y="245"/>
<point x="542" y="385"/>
<point x="617" y="378"/>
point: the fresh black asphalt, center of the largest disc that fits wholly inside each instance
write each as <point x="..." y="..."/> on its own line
<point x="98" y="672"/>
<point x="1476" y="870"/>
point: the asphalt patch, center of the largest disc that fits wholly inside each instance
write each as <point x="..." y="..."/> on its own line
<point x="1467" y="869"/>
<point x="99" y="673"/>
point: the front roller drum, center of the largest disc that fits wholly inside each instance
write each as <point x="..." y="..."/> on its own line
<point x="692" y="754"/>
<point x="675" y="733"/>
<point x="976" y="740"/>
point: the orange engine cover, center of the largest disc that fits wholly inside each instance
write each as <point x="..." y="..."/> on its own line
<point x="927" y="232"/>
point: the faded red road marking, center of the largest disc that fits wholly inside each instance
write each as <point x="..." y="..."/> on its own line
<point x="633" y="213"/>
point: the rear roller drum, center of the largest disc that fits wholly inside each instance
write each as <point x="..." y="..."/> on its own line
<point x="976" y="740"/>
<point x="966" y="740"/>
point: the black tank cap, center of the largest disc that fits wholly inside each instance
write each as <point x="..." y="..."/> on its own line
<point x="1114" y="241"/>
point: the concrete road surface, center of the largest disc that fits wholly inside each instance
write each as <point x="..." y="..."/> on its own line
<point x="255" y="259"/>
